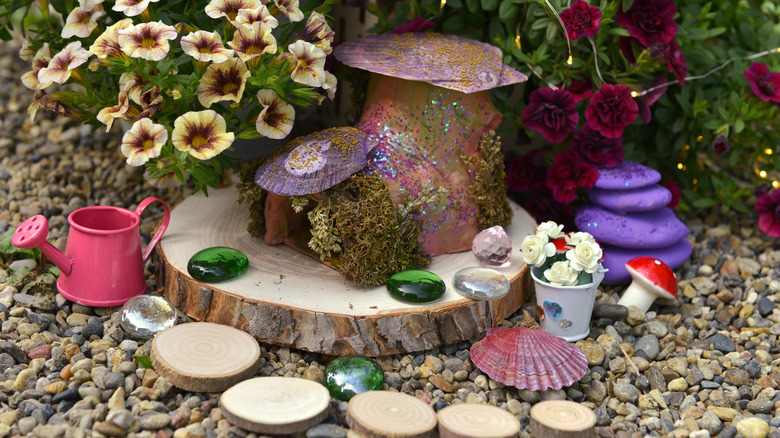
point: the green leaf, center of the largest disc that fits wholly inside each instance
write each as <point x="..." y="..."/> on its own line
<point x="627" y="4"/>
<point x="489" y="5"/>
<point x="143" y="361"/>
<point x="454" y="24"/>
<point x="704" y="203"/>
<point x="739" y="125"/>
<point x="508" y="11"/>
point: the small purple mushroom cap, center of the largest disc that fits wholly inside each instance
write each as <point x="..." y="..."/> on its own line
<point x="446" y="61"/>
<point x="315" y="162"/>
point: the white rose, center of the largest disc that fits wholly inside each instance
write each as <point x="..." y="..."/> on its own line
<point x="580" y="236"/>
<point x="585" y="256"/>
<point x="536" y="249"/>
<point x="551" y="229"/>
<point x="561" y="274"/>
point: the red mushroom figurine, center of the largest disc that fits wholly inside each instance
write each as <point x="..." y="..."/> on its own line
<point x="652" y="279"/>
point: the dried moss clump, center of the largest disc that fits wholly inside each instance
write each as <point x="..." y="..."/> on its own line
<point x="377" y="241"/>
<point x="253" y="196"/>
<point x="489" y="186"/>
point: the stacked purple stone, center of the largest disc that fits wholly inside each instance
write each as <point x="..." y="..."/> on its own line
<point x="629" y="218"/>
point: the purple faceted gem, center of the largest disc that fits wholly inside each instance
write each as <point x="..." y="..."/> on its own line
<point x="492" y="246"/>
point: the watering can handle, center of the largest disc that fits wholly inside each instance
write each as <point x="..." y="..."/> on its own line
<point x="163" y="225"/>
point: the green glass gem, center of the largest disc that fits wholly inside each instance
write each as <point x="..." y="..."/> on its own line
<point x="218" y="263"/>
<point x="416" y="286"/>
<point x="347" y="376"/>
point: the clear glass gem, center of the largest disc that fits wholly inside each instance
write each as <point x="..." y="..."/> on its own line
<point x="416" y="286"/>
<point x="492" y="246"/>
<point x="144" y="316"/>
<point x="218" y="263"/>
<point x="480" y="283"/>
<point x="347" y="376"/>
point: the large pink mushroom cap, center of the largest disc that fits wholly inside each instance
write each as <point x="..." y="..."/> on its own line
<point x="652" y="279"/>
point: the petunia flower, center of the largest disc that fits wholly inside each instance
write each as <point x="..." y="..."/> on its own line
<point x="147" y="40"/>
<point x="581" y="20"/>
<point x="61" y="66"/>
<point x="40" y="60"/>
<point x="89" y="4"/>
<point x="644" y="102"/>
<point x="721" y="144"/>
<point x="566" y="175"/>
<point x="229" y="8"/>
<point x="551" y="113"/>
<point x="109" y="114"/>
<point x="143" y="141"/>
<point x="202" y="134"/>
<point x="672" y="187"/>
<point x="768" y="209"/>
<point x="765" y="84"/>
<point x="224" y="81"/>
<point x="526" y="170"/>
<point x="580" y="90"/>
<point x="675" y="61"/>
<point x="611" y="109"/>
<point x="290" y="9"/>
<point x="81" y="22"/>
<point x="131" y="8"/>
<point x="260" y="14"/>
<point x="107" y="44"/>
<point x="205" y="47"/>
<point x="590" y="147"/>
<point x="51" y="102"/>
<point x="277" y="117"/>
<point x="253" y="41"/>
<point x="317" y="32"/>
<point x="133" y="84"/>
<point x="309" y="64"/>
<point x="417" y="24"/>
<point x="649" y="21"/>
<point x="330" y="85"/>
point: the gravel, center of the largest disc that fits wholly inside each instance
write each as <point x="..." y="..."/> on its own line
<point x="708" y="361"/>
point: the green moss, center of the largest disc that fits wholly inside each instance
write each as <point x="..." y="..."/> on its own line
<point x="489" y="186"/>
<point x="376" y="240"/>
<point x="253" y="196"/>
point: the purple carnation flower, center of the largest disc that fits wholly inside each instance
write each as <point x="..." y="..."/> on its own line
<point x="611" y="109"/>
<point x="566" y="175"/>
<point x="592" y="148"/>
<point x="721" y="144"/>
<point x="581" y="20"/>
<point x="649" y="21"/>
<point x="768" y="209"/>
<point x="766" y="85"/>
<point x="551" y="113"/>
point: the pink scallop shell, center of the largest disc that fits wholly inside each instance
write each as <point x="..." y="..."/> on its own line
<point x="529" y="358"/>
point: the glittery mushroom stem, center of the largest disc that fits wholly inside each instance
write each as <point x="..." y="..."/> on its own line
<point x="425" y="136"/>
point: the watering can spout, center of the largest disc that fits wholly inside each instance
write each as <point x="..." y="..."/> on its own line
<point x="32" y="233"/>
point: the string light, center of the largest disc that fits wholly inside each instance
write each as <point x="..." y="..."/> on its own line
<point x="699" y="139"/>
<point x="762" y="174"/>
<point x="634" y="94"/>
<point x="570" y="60"/>
<point x="443" y="2"/>
<point x="565" y="33"/>
<point x="775" y="184"/>
<point x="681" y="166"/>
<point x="718" y="68"/>
<point x="596" y="60"/>
<point x="768" y="151"/>
<point x="517" y="42"/>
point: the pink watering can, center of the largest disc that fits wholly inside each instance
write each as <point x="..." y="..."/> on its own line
<point x="103" y="265"/>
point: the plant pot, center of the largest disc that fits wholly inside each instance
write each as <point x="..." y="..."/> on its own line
<point x="565" y="311"/>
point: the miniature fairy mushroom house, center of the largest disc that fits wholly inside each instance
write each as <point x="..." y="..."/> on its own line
<point x="420" y="174"/>
<point x="652" y="279"/>
<point x="427" y="107"/>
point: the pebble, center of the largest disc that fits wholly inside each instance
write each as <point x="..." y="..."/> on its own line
<point x="753" y="427"/>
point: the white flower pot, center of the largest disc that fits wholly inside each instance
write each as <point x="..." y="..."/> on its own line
<point x="565" y="311"/>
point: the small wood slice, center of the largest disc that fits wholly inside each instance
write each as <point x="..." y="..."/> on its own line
<point x="562" y="418"/>
<point x="476" y="421"/>
<point x="390" y="414"/>
<point x="275" y="405"/>
<point x="204" y="357"/>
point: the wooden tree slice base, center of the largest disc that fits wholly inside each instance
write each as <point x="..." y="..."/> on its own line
<point x="390" y="414"/>
<point x="204" y="357"/>
<point x="562" y="419"/>
<point x="476" y="421"/>
<point x="275" y="405"/>
<point x="288" y="298"/>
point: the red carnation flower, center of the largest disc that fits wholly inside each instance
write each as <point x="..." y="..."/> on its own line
<point x="766" y="85"/>
<point x="417" y="24"/>
<point x="526" y="170"/>
<point x="581" y="20"/>
<point x="566" y="175"/>
<point x="721" y="144"/>
<point x="580" y="89"/>
<point x="646" y="101"/>
<point x="768" y="209"/>
<point x="592" y="148"/>
<point x="611" y="109"/>
<point x="551" y="113"/>
<point x="650" y="21"/>
<point x="672" y="187"/>
<point x="675" y="61"/>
